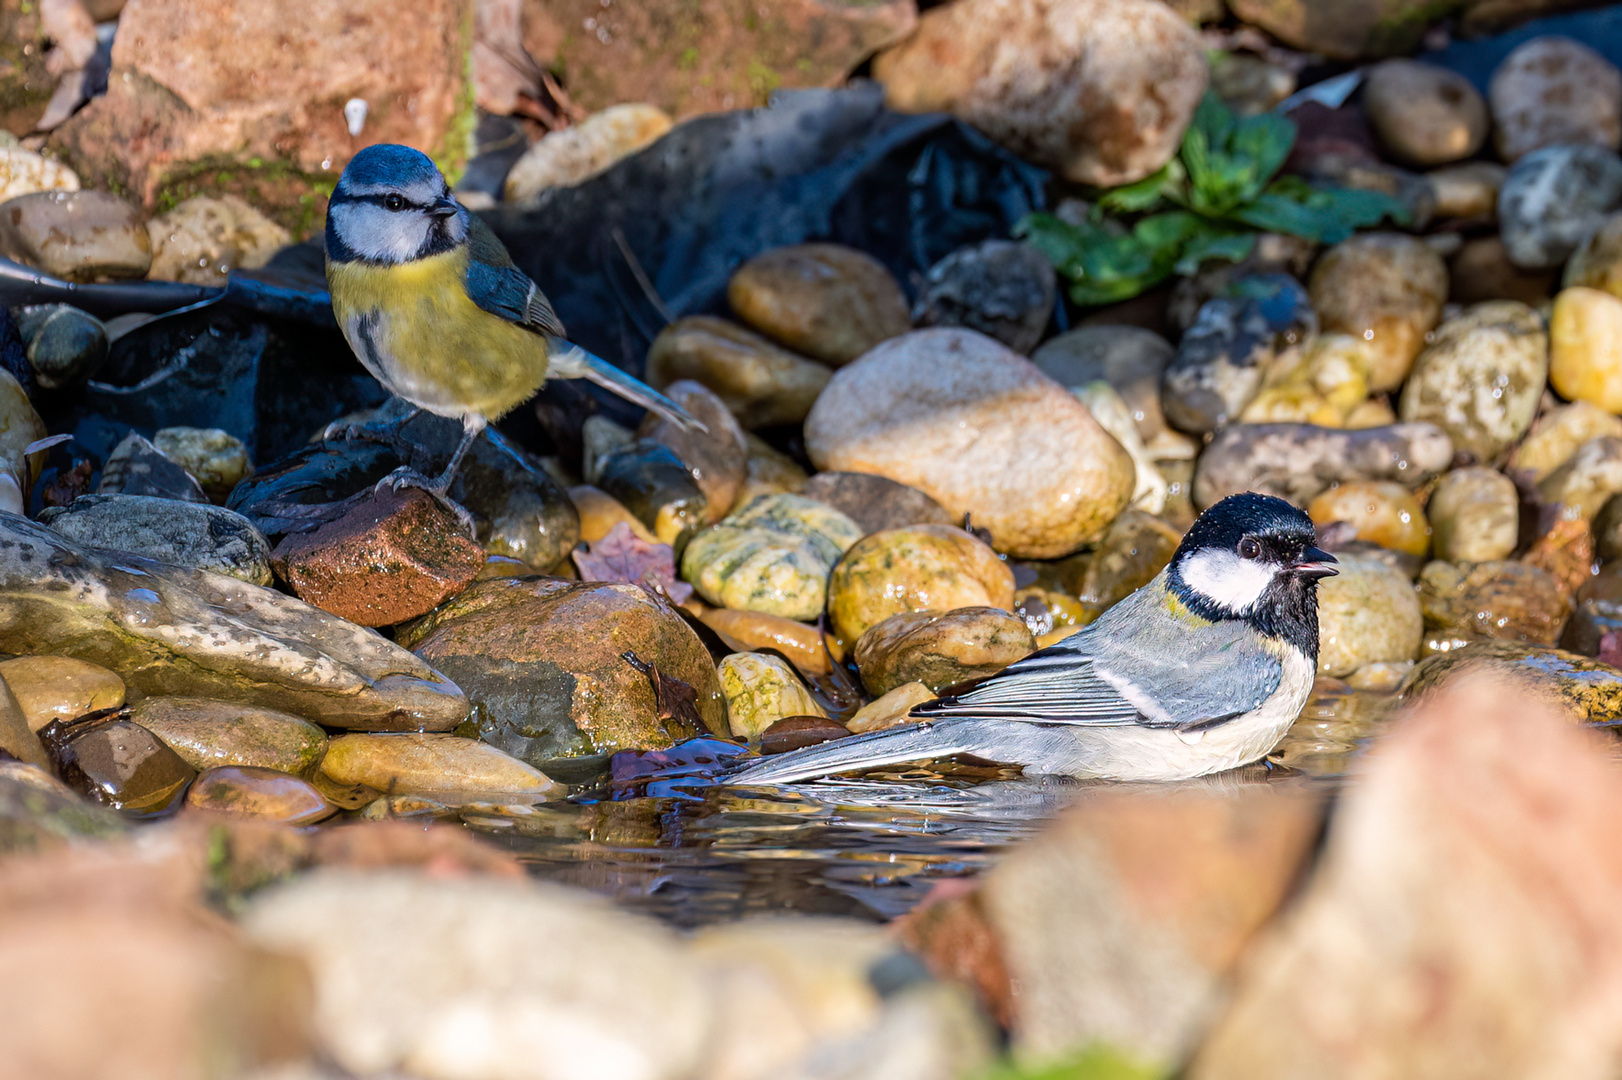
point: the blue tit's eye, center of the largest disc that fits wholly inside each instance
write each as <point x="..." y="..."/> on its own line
<point x="1249" y="548"/>
<point x="394" y="202"/>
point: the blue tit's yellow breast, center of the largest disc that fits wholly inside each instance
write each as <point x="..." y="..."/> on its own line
<point x="415" y="328"/>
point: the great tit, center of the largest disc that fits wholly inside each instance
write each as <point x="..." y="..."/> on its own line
<point x="1203" y="669"/>
<point x="434" y="308"/>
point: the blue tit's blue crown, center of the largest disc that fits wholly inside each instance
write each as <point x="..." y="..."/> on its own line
<point x="391" y="207"/>
<point x="388" y="166"/>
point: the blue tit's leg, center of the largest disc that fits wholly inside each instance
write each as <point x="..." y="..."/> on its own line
<point x="385" y="432"/>
<point x="439" y="486"/>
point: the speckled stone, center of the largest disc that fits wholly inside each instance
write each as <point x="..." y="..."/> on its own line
<point x="919" y="568"/>
<point x="1597" y="262"/>
<point x="1557" y="434"/>
<point x="76" y="235"/>
<point x="773" y="556"/>
<point x="198" y="535"/>
<point x="1582" y="484"/>
<point x="1585" y="688"/>
<point x="1474" y="515"/>
<point x="1297" y="461"/>
<point x="1367" y="614"/>
<point x="204" y="238"/>
<point x="1002" y="288"/>
<point x="761" y="690"/>
<point x="1129" y="358"/>
<point x="218" y="459"/>
<point x="1553" y="198"/>
<point x="577" y="153"/>
<point x="952" y="413"/>
<point x="1387" y="288"/>
<point x="1551" y="90"/>
<point x="1481" y="377"/>
<point x="1585" y="347"/>
<point x="1324" y="382"/>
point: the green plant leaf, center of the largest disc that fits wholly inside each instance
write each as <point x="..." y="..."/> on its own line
<point x="1136" y="198"/>
<point x="1097" y="1062"/>
<point x="1234" y="246"/>
<point x="1266" y="141"/>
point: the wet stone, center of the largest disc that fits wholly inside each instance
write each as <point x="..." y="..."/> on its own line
<point x="1220" y="362"/>
<point x="1553" y="198"/>
<point x="600" y="512"/>
<point x="718" y="458"/>
<point x="1587" y="689"/>
<point x="1556" y="435"/>
<point x="1381" y="512"/>
<point x="769" y="471"/>
<point x="60" y="688"/>
<point x="197" y="535"/>
<point x="889" y="709"/>
<point x="205" y="237"/>
<point x="1508" y="600"/>
<point x="1129" y="358"/>
<point x="919" y="568"/>
<point x="392" y="557"/>
<point x="1481" y="377"/>
<point x="1136" y="548"/>
<point x="1324" y="382"/>
<point x="1596" y="616"/>
<point x="1481" y="270"/>
<point x="38" y="812"/>
<point x="208" y="733"/>
<point x="248" y="791"/>
<point x="75" y="235"/>
<point x="655" y="485"/>
<point x="1298" y="461"/>
<point x="795" y="732"/>
<point x="940" y="648"/>
<point x="1583" y="484"/>
<point x="136" y="467"/>
<point x="761" y="690"/>
<point x="754" y="630"/>
<point x="1474" y="515"/>
<point x="23" y="172"/>
<point x="217" y="459"/>
<point x="825" y="301"/>
<point x="875" y="503"/>
<point x="1423" y="114"/>
<point x="1367" y="614"/>
<point x="1002" y="288"/>
<point x="124" y="766"/>
<point x="1551" y="90"/>
<point x="1387" y="289"/>
<point x="950" y="412"/>
<point x="773" y="556"/>
<point x="66" y="346"/>
<point x="545" y="661"/>
<point x="433" y="764"/>
<point x="1597" y="263"/>
<point x="1607" y="528"/>
<point x="169" y="630"/>
<point x="761" y="382"/>
<point x="17" y="736"/>
<point x="1467" y="191"/>
<point x="1149" y="487"/>
<point x="573" y="154"/>
<point x="1585" y="347"/>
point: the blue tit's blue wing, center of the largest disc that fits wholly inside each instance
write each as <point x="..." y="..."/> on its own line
<point x="1139" y="664"/>
<point x="500" y="288"/>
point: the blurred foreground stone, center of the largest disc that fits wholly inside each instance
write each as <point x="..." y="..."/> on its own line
<point x="1120" y="924"/>
<point x="1461" y="923"/>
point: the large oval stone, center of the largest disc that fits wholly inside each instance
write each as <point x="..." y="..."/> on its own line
<point x="544" y="661"/>
<point x="982" y="431"/>
<point x="210" y="734"/>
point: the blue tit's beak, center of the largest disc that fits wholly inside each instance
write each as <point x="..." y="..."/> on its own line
<point x="1316" y="563"/>
<point x="444" y="207"/>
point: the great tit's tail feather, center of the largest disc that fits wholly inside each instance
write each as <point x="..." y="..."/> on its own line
<point x="906" y="742"/>
<point x="569" y="361"/>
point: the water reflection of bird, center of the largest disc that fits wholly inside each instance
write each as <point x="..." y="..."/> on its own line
<point x="435" y="309"/>
<point x="1201" y="670"/>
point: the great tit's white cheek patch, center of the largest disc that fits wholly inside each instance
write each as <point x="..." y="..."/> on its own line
<point x="378" y="234"/>
<point x="1226" y="579"/>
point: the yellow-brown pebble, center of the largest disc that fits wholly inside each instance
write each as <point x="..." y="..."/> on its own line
<point x="890" y="709"/>
<point x="60" y="687"/>
<point x="801" y="643"/>
<point x="1382" y="512"/>
<point x="1585" y="347"/>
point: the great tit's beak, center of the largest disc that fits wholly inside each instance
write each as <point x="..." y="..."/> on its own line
<point x="1315" y="563"/>
<point x="444" y="207"/>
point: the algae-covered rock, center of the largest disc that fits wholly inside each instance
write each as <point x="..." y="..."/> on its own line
<point x="761" y="690"/>
<point x="1586" y="688"/>
<point x="773" y="556"/>
<point x="207" y="734"/>
<point x="167" y="630"/>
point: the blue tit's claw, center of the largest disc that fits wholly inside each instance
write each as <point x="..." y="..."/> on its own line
<point x="438" y="488"/>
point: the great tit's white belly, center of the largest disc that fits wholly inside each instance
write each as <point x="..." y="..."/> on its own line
<point x="1136" y="752"/>
<point x="414" y="327"/>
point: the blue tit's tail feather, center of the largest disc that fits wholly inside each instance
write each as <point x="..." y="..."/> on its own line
<point x="891" y="746"/>
<point x="569" y="361"/>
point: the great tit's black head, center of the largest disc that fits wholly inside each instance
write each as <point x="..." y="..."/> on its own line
<point x="1253" y="557"/>
<point x="392" y="206"/>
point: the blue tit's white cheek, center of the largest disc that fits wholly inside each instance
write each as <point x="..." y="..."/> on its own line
<point x="1227" y="580"/>
<point x="380" y="235"/>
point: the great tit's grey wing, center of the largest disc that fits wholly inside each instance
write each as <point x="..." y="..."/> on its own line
<point x="1137" y="665"/>
<point x="500" y="288"/>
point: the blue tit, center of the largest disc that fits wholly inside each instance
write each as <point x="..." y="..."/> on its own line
<point x="433" y="306"/>
<point x="1203" y="669"/>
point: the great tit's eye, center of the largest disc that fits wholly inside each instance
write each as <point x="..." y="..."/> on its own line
<point x="1249" y="548"/>
<point x="394" y="202"/>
